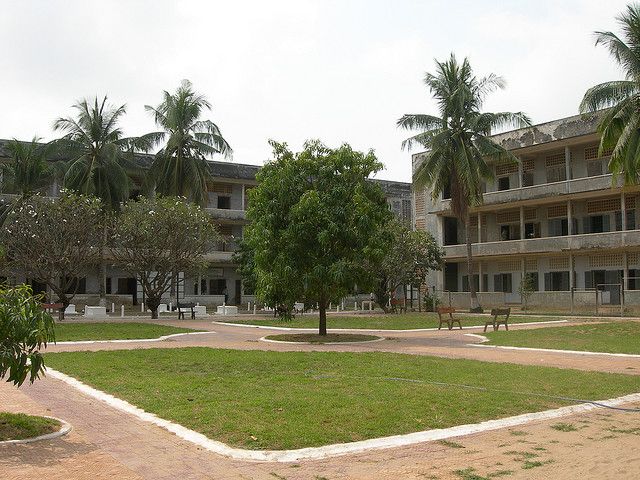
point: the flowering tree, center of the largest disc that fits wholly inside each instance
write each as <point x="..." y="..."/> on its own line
<point x="54" y="242"/>
<point x="155" y="237"/>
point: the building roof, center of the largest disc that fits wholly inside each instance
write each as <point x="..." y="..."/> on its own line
<point x="560" y="129"/>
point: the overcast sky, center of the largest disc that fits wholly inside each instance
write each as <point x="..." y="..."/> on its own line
<point x="341" y="71"/>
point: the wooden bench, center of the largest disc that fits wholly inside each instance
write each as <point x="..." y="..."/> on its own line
<point x="495" y="320"/>
<point x="54" y="306"/>
<point x="182" y="306"/>
<point x="450" y="319"/>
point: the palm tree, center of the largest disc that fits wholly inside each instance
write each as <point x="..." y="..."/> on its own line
<point x="100" y="158"/>
<point x="619" y="127"/>
<point x="457" y="142"/>
<point x="29" y="170"/>
<point x="180" y="168"/>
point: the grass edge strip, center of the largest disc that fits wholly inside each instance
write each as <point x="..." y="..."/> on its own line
<point x="65" y="428"/>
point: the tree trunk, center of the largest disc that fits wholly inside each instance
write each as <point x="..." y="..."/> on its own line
<point x="475" y="305"/>
<point x="103" y="270"/>
<point x="154" y="313"/>
<point x="322" y="327"/>
<point x="172" y="289"/>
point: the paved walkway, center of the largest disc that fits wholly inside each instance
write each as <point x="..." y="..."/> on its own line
<point x="106" y="443"/>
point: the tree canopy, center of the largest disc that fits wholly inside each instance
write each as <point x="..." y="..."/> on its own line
<point x="153" y="238"/>
<point x="619" y="127"/>
<point x="316" y="222"/>
<point x="54" y="241"/>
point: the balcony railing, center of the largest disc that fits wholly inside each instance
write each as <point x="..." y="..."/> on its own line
<point x="577" y="185"/>
<point x="227" y="214"/>
<point x="606" y="240"/>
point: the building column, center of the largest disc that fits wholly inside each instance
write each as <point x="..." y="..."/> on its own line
<point x="521" y="223"/>
<point x="569" y="219"/>
<point x="199" y="285"/>
<point x="625" y="275"/>
<point x="572" y="280"/>
<point x="441" y="229"/>
<point x="479" y="228"/>
<point x="623" y="211"/>
<point x="567" y="162"/>
<point x="480" y="282"/>
<point x="243" y="191"/>
<point x="520" y="173"/>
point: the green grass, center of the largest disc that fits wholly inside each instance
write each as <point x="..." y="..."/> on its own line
<point x="319" y="339"/>
<point x="18" y="426"/>
<point x="66" y="332"/>
<point x="282" y="400"/>
<point x="383" y="322"/>
<point x="613" y="337"/>
<point x="564" y="427"/>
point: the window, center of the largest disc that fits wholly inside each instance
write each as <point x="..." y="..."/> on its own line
<point x="509" y="232"/>
<point x="503" y="183"/>
<point x="558" y="227"/>
<point x="406" y="212"/>
<point x="224" y="202"/>
<point x="594" y="168"/>
<point x="532" y="230"/>
<point x="108" y="287"/>
<point x="634" y="279"/>
<point x="446" y="192"/>
<point x="557" y="173"/>
<point x="596" y="224"/>
<point x="556" y="281"/>
<point x="77" y="286"/>
<point x="631" y="220"/>
<point x="502" y="283"/>
<point x="527" y="179"/>
<point x="450" y="231"/>
<point x="217" y="286"/>
<point x="476" y="281"/>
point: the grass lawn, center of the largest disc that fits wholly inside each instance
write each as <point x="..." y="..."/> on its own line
<point x="66" y="332"/>
<point x="383" y="322"/>
<point x="329" y="338"/>
<point x="18" y="426"/>
<point x="281" y="400"/>
<point x="613" y="337"/>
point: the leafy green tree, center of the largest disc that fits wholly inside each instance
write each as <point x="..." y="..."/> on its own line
<point x="457" y="142"/>
<point x="316" y="222"/>
<point x="153" y="238"/>
<point x="411" y="255"/>
<point x="54" y="241"/>
<point x="180" y="168"/>
<point x="100" y="159"/>
<point x="619" y="127"/>
<point x="25" y="328"/>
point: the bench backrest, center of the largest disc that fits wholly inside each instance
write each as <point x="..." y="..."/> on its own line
<point x="446" y="310"/>
<point x="500" y="311"/>
<point x="185" y="305"/>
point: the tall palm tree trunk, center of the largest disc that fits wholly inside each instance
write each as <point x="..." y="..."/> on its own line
<point x="103" y="270"/>
<point x="475" y="305"/>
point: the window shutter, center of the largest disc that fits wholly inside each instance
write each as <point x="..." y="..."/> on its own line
<point x="586" y="226"/>
<point x="547" y="282"/>
<point x="497" y="283"/>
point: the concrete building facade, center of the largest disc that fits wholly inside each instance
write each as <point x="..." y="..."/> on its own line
<point x="557" y="215"/>
<point x="227" y="204"/>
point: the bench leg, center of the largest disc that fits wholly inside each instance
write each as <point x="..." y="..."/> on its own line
<point x="485" y="327"/>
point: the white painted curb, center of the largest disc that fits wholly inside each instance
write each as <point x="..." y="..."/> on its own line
<point x="64" y="429"/>
<point x="434" y="329"/>
<point x="159" y="339"/>
<point x="265" y="339"/>
<point x="336" y="449"/>
<point x="551" y="350"/>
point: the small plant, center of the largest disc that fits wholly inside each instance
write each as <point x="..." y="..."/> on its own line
<point x="527" y="287"/>
<point x="564" y="427"/>
<point x="450" y="444"/>
<point x="431" y="302"/>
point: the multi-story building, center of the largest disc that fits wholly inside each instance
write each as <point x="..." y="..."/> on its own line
<point x="557" y="214"/>
<point x="227" y="205"/>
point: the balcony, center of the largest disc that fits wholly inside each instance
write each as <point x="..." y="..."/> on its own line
<point x="219" y="257"/>
<point x="596" y="241"/>
<point x="544" y="190"/>
<point x="227" y="214"/>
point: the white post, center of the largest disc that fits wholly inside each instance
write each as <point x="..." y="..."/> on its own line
<point x="330" y="306"/>
<point x="122" y="311"/>
<point x="113" y="307"/>
<point x="342" y="306"/>
<point x="254" y="308"/>
<point x="337" y="308"/>
<point x="170" y="307"/>
<point x="141" y="307"/>
<point x="371" y="305"/>
<point x="248" y="306"/>
<point x="355" y="306"/>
